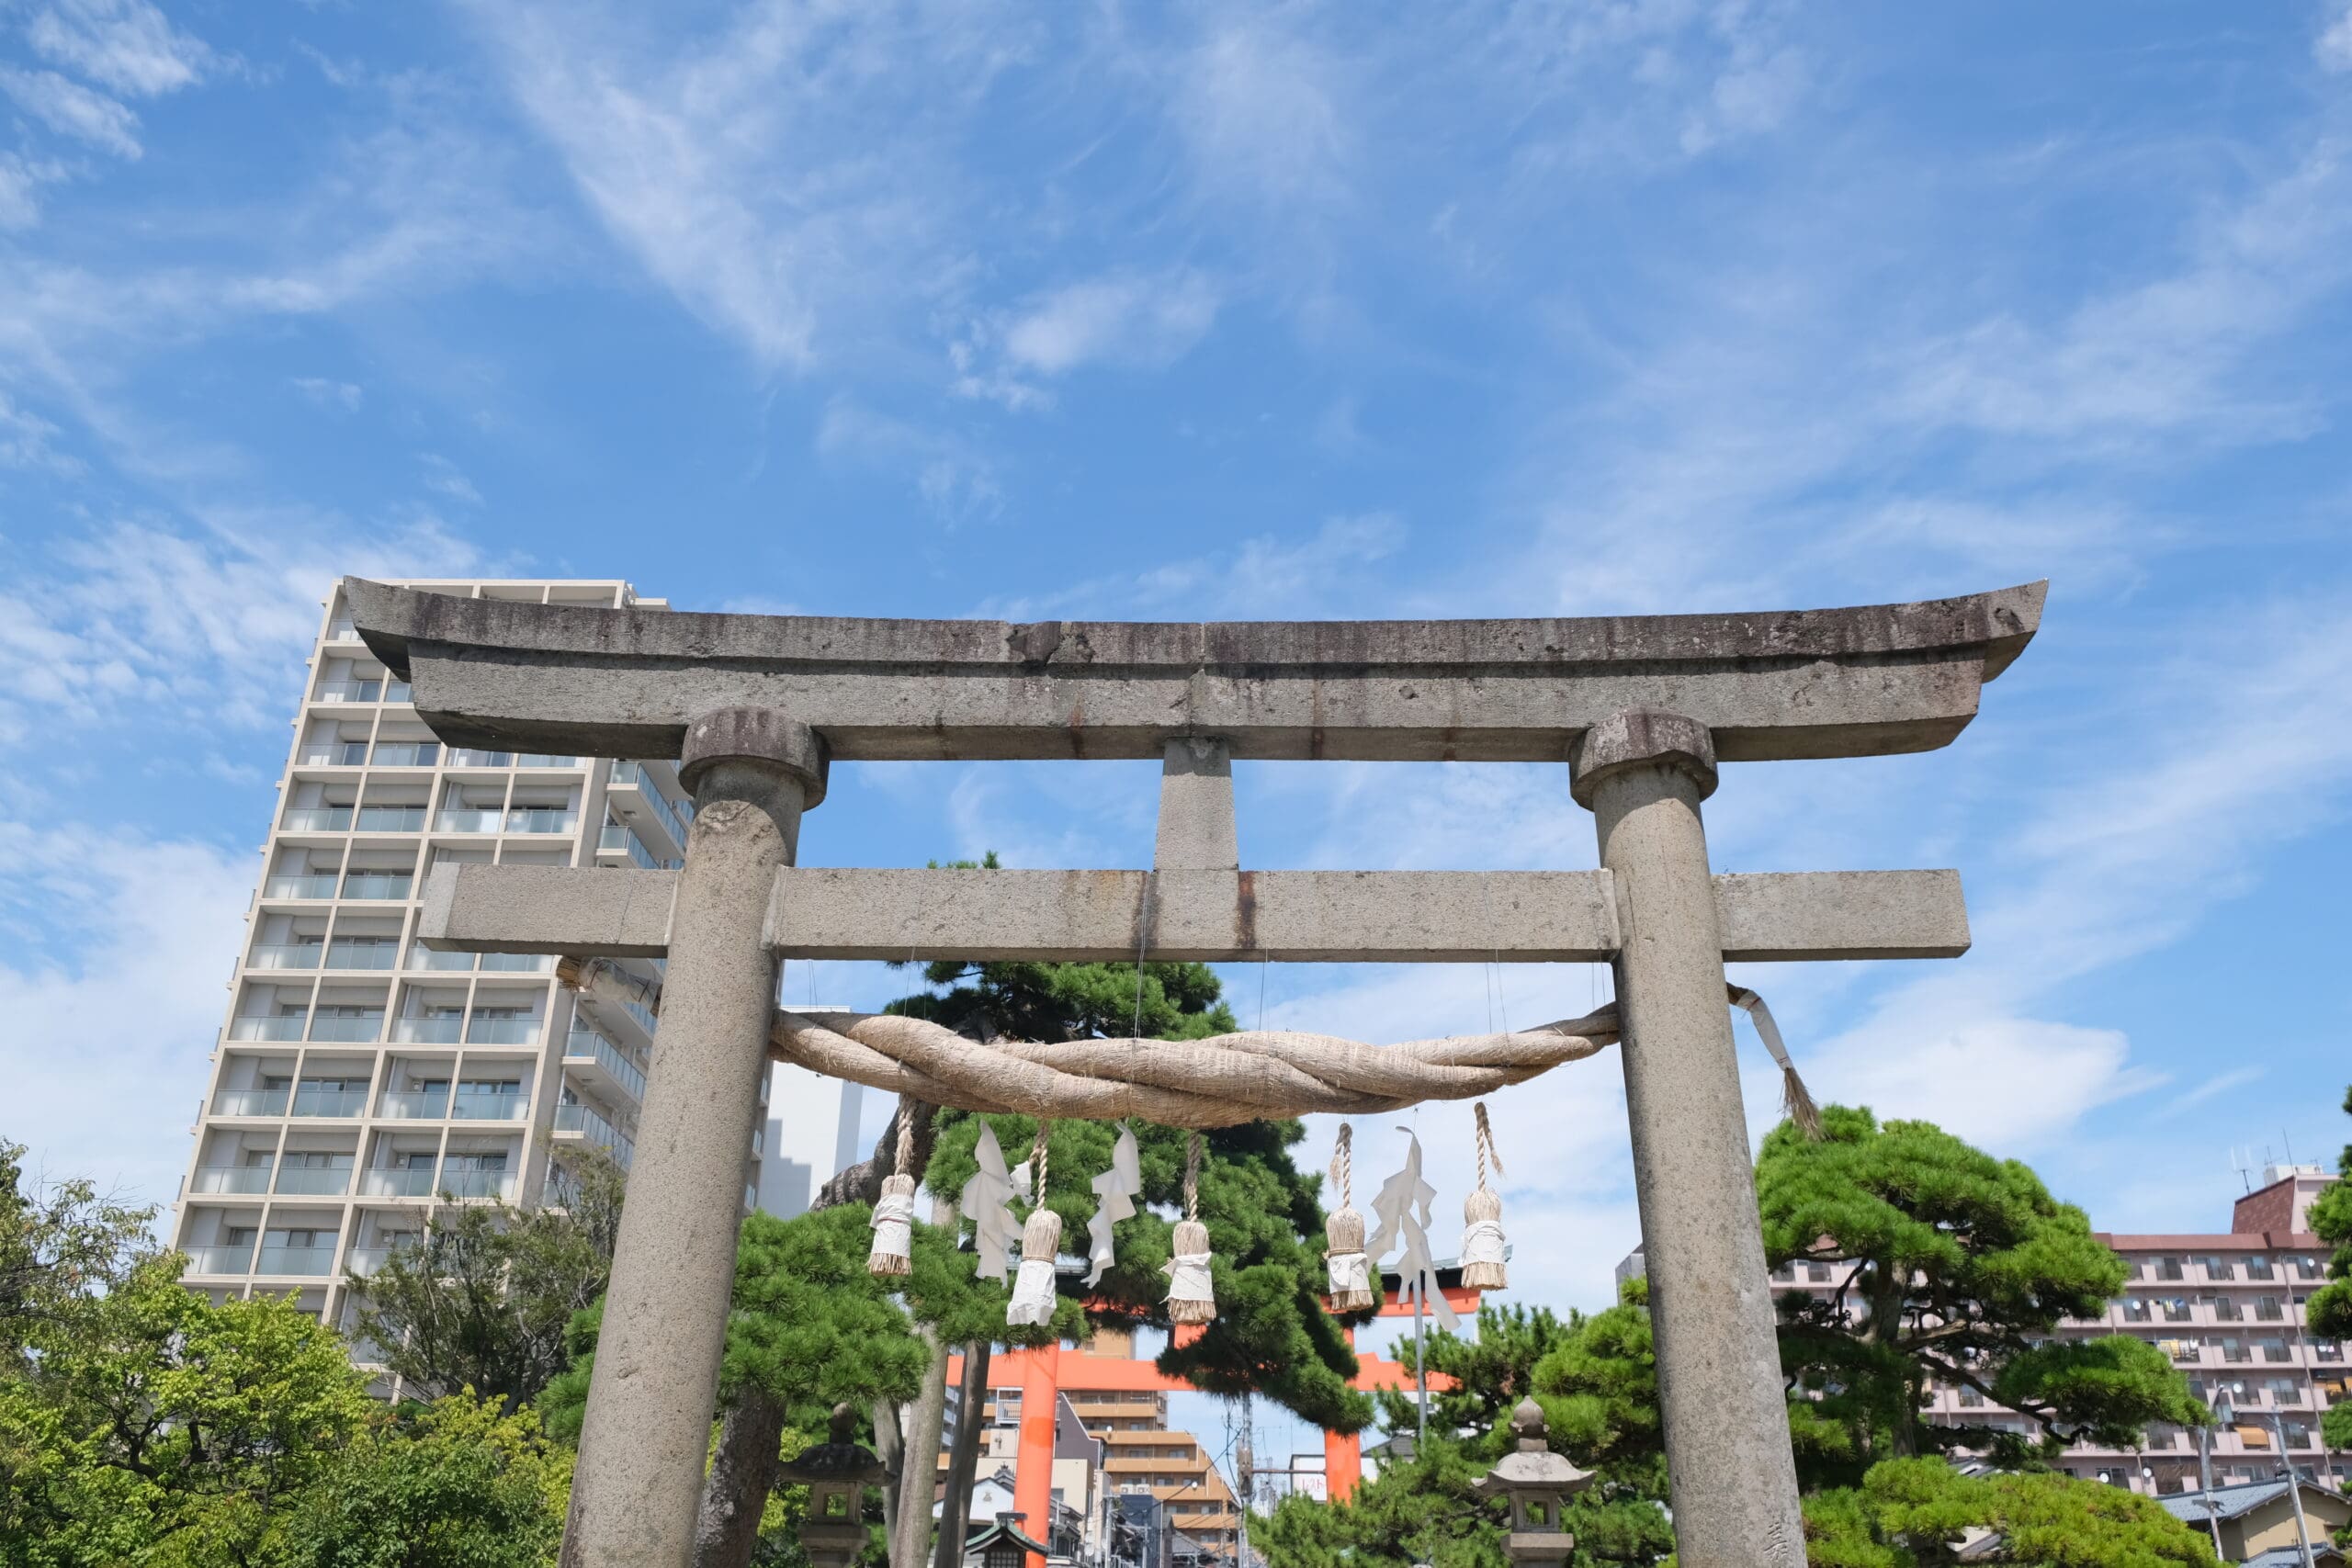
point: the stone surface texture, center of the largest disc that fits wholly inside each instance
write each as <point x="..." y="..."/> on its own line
<point x="1197" y="829"/>
<point x="1400" y="917"/>
<point x="1873" y="680"/>
<point x="1641" y="737"/>
<point x="646" y="1432"/>
<point x="1733" y="1479"/>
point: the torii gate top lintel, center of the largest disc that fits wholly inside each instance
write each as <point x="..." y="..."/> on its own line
<point x="1865" y="681"/>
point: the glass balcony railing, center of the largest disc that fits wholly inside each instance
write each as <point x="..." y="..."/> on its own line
<point x="578" y="1118"/>
<point x="295" y="955"/>
<point x="489" y="1107"/>
<point x="350" y="690"/>
<point x="342" y="630"/>
<point x="616" y="839"/>
<point x="308" y="885"/>
<point x="392" y="819"/>
<point x="276" y="1027"/>
<point x="643" y="1014"/>
<point x="518" y="963"/>
<point x="230" y="1179"/>
<point x="328" y="1101"/>
<point x="318" y="820"/>
<point x="249" y="1102"/>
<point x="363" y="1029"/>
<point x="480" y="757"/>
<point x="397" y="1181"/>
<point x="541" y="819"/>
<point x="427" y="1031"/>
<point x="675" y="818"/>
<point x="377" y="885"/>
<point x="362" y="954"/>
<point x="414" y="1104"/>
<point x="364" y="1261"/>
<point x="422" y="957"/>
<point x="589" y="1045"/>
<point x="333" y="754"/>
<point x="480" y="1031"/>
<point x="235" y="1258"/>
<point x="477" y="1183"/>
<point x="303" y="1260"/>
<point x="407" y="753"/>
<point x="397" y="692"/>
<point x="315" y="1180"/>
<point x="544" y="760"/>
<point x="470" y="819"/>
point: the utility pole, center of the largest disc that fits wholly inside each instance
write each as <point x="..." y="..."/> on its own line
<point x="2205" y="1474"/>
<point x="2294" y="1486"/>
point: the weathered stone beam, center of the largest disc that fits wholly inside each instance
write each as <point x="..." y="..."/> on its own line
<point x="1428" y="917"/>
<point x="1867" y="680"/>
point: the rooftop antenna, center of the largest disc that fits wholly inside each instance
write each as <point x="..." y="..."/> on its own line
<point x="2290" y="1142"/>
<point x="2239" y="1163"/>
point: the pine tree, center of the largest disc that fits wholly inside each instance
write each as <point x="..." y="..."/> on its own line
<point x="1953" y="1270"/>
<point x="2329" y="1312"/>
<point x="1910" y="1513"/>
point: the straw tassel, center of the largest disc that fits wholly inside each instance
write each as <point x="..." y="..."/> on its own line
<point x="1343" y="1253"/>
<point x="1482" y="1215"/>
<point x="1796" y="1100"/>
<point x="1191" y="1294"/>
<point x="894" y="1212"/>
<point x="1040" y="1240"/>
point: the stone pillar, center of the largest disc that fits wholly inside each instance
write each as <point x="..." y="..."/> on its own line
<point x="1643" y="773"/>
<point x="634" y="1494"/>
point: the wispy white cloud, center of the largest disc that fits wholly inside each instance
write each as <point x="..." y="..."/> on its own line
<point x="127" y="45"/>
<point x="1122" y="318"/>
<point x="2333" y="47"/>
<point x="328" y="393"/>
<point x="443" y="477"/>
<point x="29" y="441"/>
<point x="956" y="479"/>
<point x="1264" y="575"/>
<point x="72" y="109"/>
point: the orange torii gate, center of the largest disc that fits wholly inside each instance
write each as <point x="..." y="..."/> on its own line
<point x="1039" y="1375"/>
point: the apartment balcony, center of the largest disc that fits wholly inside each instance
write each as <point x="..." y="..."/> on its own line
<point x="230" y="1179"/>
<point x="415" y="1105"/>
<point x="544" y="760"/>
<point x="329" y="1102"/>
<point x="633" y="783"/>
<point x="236" y="1258"/>
<point x="313" y="1181"/>
<point x="616" y="839"/>
<point x="395" y="1182"/>
<point x="332" y="755"/>
<point x="406" y="753"/>
<point x="378" y="885"/>
<point x="470" y="819"/>
<point x="364" y="1261"/>
<point x="250" y="1102"/>
<point x="285" y="956"/>
<point x="582" y="1121"/>
<point x="490" y="1106"/>
<point x="362" y="1031"/>
<point x="341" y="629"/>
<point x="503" y="1030"/>
<point x="515" y="962"/>
<point x="397" y="691"/>
<point x="317" y="819"/>
<point x="306" y="884"/>
<point x="427" y="1031"/>
<point x="422" y="957"/>
<point x="541" y="819"/>
<point x="349" y="692"/>
<point x="480" y="757"/>
<point x="302" y="1261"/>
<point x="362" y="954"/>
<point x="497" y="1184"/>
<point x="267" y="1027"/>
<point x="596" y="1062"/>
<point x="391" y="819"/>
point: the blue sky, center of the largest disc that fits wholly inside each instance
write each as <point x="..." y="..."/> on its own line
<point x="1108" y="312"/>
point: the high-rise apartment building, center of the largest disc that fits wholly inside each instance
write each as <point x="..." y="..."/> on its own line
<point x="360" y="1077"/>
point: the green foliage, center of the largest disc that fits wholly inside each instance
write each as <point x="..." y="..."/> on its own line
<point x="2330" y="1309"/>
<point x="808" y="1326"/>
<point x="157" y="1427"/>
<point x="1909" y="1513"/>
<point x="1272" y="1336"/>
<point x="1954" y="1268"/>
<point x="451" y="1484"/>
<point x="60" y="1245"/>
<point x="1597" y="1380"/>
<point x="484" y="1300"/>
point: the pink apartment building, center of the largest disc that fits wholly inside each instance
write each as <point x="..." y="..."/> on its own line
<point x="2228" y="1308"/>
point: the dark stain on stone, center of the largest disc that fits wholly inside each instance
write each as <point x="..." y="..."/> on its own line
<point x="1245" y="913"/>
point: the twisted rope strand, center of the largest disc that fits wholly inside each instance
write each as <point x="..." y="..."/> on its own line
<point x="1193" y="1176"/>
<point x="1343" y="1165"/>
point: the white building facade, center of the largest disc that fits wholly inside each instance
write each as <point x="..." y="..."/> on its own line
<point x="359" y="1077"/>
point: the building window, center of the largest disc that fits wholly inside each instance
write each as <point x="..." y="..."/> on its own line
<point x="2257" y="1269"/>
<point x="2168" y="1269"/>
<point x="2218" y="1268"/>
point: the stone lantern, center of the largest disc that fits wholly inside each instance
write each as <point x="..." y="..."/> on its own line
<point x="837" y="1472"/>
<point x="1539" y="1484"/>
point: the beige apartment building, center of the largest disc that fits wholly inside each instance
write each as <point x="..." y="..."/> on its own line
<point x="360" y="1078"/>
<point x="2227" y="1307"/>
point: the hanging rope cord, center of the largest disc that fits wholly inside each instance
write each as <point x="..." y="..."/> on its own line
<point x="1487" y="1154"/>
<point x="1219" y="1082"/>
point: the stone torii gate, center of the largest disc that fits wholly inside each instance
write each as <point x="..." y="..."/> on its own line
<point x="1641" y="710"/>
